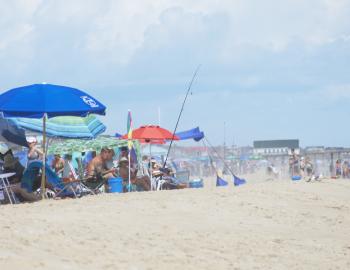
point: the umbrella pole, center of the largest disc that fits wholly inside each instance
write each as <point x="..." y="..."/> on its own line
<point x="129" y="187"/>
<point x="150" y="162"/>
<point x="43" y="174"/>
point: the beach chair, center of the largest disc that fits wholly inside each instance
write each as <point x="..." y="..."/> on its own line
<point x="183" y="177"/>
<point x="5" y="188"/>
<point x="78" y="181"/>
<point x="61" y="189"/>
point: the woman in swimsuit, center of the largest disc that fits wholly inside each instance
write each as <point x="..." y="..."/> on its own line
<point x="34" y="153"/>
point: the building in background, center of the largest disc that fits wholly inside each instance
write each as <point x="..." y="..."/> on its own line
<point x="276" y="147"/>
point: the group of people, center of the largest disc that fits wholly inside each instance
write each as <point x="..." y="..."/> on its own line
<point x="342" y="169"/>
<point x="94" y="172"/>
<point x="300" y="166"/>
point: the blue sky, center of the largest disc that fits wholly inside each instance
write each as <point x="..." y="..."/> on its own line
<point x="270" y="69"/>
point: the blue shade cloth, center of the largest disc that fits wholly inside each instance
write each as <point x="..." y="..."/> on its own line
<point x="238" y="181"/>
<point x="194" y="133"/>
<point x="221" y="182"/>
<point x="11" y="133"/>
<point x="64" y="127"/>
<point x="33" y="101"/>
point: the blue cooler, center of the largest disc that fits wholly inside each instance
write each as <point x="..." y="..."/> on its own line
<point x="296" y="177"/>
<point x="196" y="183"/>
<point x="115" y="185"/>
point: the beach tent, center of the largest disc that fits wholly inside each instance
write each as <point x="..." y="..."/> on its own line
<point x="46" y="101"/>
<point x="194" y="134"/>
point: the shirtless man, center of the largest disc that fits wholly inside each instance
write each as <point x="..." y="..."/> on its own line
<point x="97" y="170"/>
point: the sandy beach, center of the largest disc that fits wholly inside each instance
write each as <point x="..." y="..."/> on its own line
<point x="269" y="225"/>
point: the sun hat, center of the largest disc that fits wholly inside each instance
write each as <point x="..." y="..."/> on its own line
<point x="31" y="140"/>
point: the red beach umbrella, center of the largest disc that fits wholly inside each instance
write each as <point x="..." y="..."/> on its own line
<point x="151" y="134"/>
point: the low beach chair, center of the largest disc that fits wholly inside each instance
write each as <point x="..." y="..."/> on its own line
<point x="61" y="189"/>
<point x="79" y="184"/>
<point x="183" y="177"/>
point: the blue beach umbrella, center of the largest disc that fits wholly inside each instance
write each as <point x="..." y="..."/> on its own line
<point x="47" y="101"/>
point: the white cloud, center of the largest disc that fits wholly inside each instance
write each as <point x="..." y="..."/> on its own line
<point x="115" y="30"/>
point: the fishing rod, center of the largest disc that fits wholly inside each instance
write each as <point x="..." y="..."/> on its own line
<point x="223" y="160"/>
<point x="182" y="108"/>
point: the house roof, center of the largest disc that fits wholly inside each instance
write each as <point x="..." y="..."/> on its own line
<point x="277" y="144"/>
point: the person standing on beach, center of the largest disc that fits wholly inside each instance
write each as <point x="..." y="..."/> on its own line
<point x="345" y="169"/>
<point x="293" y="164"/>
<point x="302" y="166"/>
<point x="338" y="168"/>
<point x="34" y="154"/>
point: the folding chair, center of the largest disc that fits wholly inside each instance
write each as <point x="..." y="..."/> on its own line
<point x="61" y="189"/>
<point x="5" y="187"/>
<point x="78" y="183"/>
<point x="183" y="177"/>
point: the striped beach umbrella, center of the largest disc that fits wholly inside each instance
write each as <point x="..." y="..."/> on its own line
<point x="64" y="126"/>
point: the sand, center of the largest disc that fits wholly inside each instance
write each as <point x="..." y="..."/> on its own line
<point x="266" y="225"/>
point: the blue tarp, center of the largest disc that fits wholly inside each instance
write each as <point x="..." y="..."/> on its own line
<point x="194" y="133"/>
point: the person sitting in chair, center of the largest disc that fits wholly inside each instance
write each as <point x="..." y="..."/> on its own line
<point x="141" y="183"/>
<point x="97" y="171"/>
<point x="169" y="181"/>
<point x="58" y="165"/>
<point x="12" y="164"/>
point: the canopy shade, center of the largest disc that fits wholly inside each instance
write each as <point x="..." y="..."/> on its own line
<point x="76" y="145"/>
<point x="194" y="133"/>
<point x="64" y="126"/>
<point x="34" y="101"/>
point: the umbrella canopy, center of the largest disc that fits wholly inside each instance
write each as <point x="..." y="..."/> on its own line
<point x="151" y="133"/>
<point x="152" y="141"/>
<point x="64" y="126"/>
<point x="37" y="100"/>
